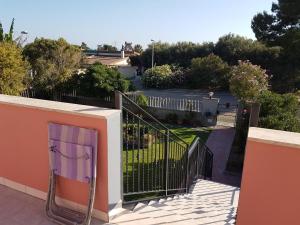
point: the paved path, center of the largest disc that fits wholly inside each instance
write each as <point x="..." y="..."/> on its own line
<point x="219" y="142"/>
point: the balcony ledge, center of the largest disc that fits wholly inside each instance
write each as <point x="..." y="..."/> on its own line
<point x="277" y="137"/>
<point x="76" y="109"/>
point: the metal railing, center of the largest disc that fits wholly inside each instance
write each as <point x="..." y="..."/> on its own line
<point x="128" y="103"/>
<point x="152" y="160"/>
<point x="106" y="100"/>
<point x="200" y="162"/>
<point x="156" y="162"/>
<point x="180" y="104"/>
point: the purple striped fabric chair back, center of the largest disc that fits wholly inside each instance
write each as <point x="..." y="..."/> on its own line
<point x="72" y="151"/>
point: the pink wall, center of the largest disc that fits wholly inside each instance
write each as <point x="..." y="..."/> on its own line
<point x="270" y="190"/>
<point x="24" y="151"/>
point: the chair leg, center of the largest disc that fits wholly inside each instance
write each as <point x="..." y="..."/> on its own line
<point x="90" y="207"/>
<point x="63" y="215"/>
<point x="51" y="194"/>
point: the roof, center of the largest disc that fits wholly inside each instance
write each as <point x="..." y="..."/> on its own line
<point x="108" y="61"/>
<point x="109" y="53"/>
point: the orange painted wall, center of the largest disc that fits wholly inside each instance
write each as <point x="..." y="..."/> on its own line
<point x="270" y="190"/>
<point x="24" y="151"/>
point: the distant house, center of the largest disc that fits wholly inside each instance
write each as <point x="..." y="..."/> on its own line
<point x="108" y="61"/>
<point x="115" y="59"/>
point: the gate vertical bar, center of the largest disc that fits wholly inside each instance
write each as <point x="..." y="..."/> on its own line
<point x="166" y="160"/>
<point x="118" y="105"/>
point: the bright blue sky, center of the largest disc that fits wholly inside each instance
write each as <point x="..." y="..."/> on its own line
<point x="115" y="21"/>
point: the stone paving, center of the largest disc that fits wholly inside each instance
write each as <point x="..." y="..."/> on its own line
<point x="220" y="142"/>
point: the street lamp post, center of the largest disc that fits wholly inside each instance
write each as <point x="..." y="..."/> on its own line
<point x="152" y="53"/>
<point x="22" y="38"/>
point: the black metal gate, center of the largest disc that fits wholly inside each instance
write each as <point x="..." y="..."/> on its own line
<point x="227" y="114"/>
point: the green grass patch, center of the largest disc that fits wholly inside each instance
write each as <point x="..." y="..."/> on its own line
<point x="189" y="133"/>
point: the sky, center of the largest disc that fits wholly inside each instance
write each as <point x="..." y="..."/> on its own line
<point x="137" y="21"/>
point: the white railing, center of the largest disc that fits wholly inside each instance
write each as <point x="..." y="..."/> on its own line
<point x="181" y="104"/>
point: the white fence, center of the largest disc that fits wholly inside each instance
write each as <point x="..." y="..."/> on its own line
<point x="171" y="103"/>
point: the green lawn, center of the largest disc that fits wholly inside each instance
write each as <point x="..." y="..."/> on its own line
<point x="155" y="151"/>
<point x="189" y="133"/>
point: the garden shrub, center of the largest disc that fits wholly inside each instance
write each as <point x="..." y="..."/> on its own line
<point x="99" y="80"/>
<point x="209" y="72"/>
<point x="164" y="76"/>
<point x="142" y="100"/>
<point x="279" y="111"/>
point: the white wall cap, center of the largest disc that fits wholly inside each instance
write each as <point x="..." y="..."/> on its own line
<point x="277" y="137"/>
<point x="76" y="109"/>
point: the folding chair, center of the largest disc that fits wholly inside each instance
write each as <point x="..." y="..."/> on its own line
<point x="72" y="154"/>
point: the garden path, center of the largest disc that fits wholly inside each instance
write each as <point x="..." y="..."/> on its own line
<point x="220" y="142"/>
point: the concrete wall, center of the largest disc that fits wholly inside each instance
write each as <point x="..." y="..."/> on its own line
<point x="270" y="190"/>
<point x="128" y="71"/>
<point x="24" y="150"/>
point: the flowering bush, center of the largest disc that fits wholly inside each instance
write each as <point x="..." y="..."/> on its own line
<point x="248" y="81"/>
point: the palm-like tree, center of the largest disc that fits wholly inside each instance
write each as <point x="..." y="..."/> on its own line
<point x="9" y="36"/>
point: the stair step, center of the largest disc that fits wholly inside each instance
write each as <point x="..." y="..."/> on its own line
<point x="207" y="203"/>
<point x="117" y="212"/>
<point x="152" y="202"/>
<point x="176" y="197"/>
<point x="151" y="215"/>
<point x="162" y="200"/>
<point x="139" y="206"/>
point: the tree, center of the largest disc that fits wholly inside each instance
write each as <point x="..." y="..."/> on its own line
<point x="248" y="81"/>
<point x="7" y="36"/>
<point x="84" y="46"/>
<point x="179" y="54"/>
<point x="279" y="111"/>
<point x="158" y="77"/>
<point x="13" y="69"/>
<point x="99" y="80"/>
<point x="53" y="62"/>
<point x="232" y="48"/>
<point x="209" y="72"/>
<point x="284" y="17"/>
<point x="138" y="48"/>
<point x="107" y="48"/>
<point x="282" y="27"/>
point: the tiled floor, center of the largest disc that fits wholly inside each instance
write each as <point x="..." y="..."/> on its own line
<point x="208" y="203"/>
<point x="17" y="208"/>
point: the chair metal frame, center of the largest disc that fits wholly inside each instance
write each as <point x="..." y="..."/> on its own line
<point x="66" y="216"/>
